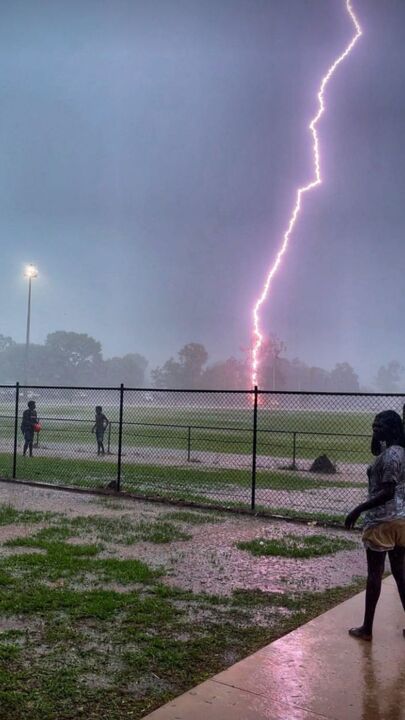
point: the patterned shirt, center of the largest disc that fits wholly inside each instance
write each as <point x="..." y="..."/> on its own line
<point x="389" y="467"/>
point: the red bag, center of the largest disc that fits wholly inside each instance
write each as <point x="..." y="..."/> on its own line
<point x="37" y="427"/>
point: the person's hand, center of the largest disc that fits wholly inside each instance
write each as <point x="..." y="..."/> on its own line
<point x="351" y="519"/>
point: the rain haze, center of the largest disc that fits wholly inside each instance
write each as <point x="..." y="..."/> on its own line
<point x="150" y="154"/>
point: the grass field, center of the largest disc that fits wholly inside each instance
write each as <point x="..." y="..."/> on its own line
<point x="344" y="436"/>
<point x="283" y="492"/>
<point x="95" y="473"/>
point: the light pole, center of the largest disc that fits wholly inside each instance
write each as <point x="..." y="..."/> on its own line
<point x="31" y="272"/>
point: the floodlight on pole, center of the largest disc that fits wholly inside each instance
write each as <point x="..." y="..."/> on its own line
<point x="31" y="272"/>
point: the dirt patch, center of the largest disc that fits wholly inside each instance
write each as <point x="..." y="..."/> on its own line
<point x="10" y="532"/>
<point x="148" y="684"/>
<point x="98" y="682"/>
<point x="14" y="623"/>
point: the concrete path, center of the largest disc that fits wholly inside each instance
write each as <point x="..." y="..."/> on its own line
<point x="316" y="672"/>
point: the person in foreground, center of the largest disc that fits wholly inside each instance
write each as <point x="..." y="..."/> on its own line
<point x="384" y="523"/>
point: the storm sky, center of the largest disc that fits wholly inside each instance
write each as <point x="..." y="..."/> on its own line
<point x="149" y="156"/>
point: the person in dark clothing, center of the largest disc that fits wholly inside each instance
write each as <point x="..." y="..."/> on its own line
<point x="99" y="428"/>
<point x="384" y="523"/>
<point x="29" y="419"/>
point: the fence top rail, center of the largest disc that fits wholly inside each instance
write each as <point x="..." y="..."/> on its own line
<point x="117" y="388"/>
<point x="224" y="391"/>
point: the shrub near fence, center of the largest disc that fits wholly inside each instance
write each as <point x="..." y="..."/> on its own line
<point x="237" y="449"/>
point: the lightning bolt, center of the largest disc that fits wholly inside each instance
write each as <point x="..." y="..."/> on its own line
<point x="317" y="180"/>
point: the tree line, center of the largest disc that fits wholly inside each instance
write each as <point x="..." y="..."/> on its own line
<point x="69" y="358"/>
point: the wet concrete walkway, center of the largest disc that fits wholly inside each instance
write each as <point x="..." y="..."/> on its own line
<point x="318" y="671"/>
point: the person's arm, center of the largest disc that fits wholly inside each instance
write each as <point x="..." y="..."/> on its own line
<point x="386" y="494"/>
<point x="93" y="428"/>
<point x="391" y="473"/>
<point x="106" y="422"/>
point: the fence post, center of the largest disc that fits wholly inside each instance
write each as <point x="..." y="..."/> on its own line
<point x="109" y="439"/>
<point x="294" y="465"/>
<point x="254" y="449"/>
<point x="189" y="444"/>
<point x="17" y="398"/>
<point x="120" y="437"/>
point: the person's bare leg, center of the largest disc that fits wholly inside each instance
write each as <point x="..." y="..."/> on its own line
<point x="397" y="562"/>
<point x="375" y="570"/>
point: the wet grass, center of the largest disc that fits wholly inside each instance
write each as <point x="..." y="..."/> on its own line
<point x="9" y="515"/>
<point x="140" y="476"/>
<point x="127" y="532"/>
<point x="96" y="473"/>
<point x="62" y="562"/>
<point x="212" y="429"/>
<point x="121" y="531"/>
<point x="183" y="496"/>
<point x="215" y="487"/>
<point x="296" y="546"/>
<point x="89" y="650"/>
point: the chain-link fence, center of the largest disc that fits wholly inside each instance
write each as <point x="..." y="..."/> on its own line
<point x="292" y="454"/>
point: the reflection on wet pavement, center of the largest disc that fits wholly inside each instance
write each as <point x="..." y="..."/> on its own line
<point x="317" y="671"/>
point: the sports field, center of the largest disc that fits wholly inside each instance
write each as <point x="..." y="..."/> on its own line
<point x="196" y="447"/>
<point x="345" y="437"/>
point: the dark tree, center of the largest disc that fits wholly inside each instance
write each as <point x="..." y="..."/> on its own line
<point x="186" y="372"/>
<point x="73" y="357"/>
<point x="129" y="369"/>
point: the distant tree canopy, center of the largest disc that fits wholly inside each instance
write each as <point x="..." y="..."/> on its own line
<point x="191" y="370"/>
<point x="70" y="358"/>
<point x="129" y="370"/>
<point x="186" y="372"/>
<point x="73" y="356"/>
<point x="389" y="377"/>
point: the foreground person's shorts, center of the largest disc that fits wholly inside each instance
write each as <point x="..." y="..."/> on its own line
<point x="385" y="536"/>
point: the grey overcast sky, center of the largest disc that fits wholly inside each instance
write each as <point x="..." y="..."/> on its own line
<point x="149" y="155"/>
